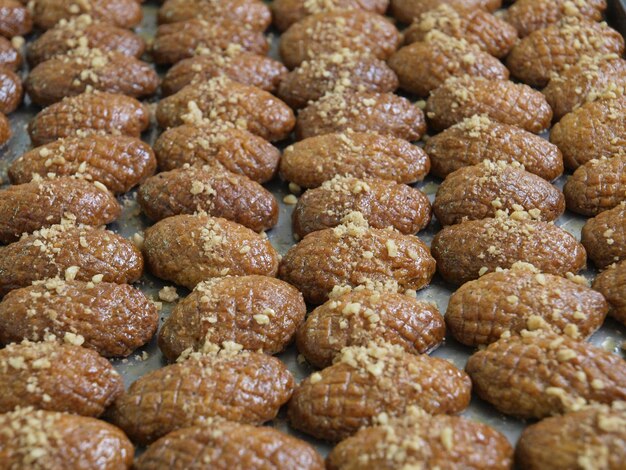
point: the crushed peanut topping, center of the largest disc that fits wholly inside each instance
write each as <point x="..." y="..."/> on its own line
<point x="321" y="6"/>
<point x="374" y="359"/>
<point x="335" y="70"/>
<point x="456" y="47"/>
<point x="34" y="433"/>
<point x="226" y="349"/>
<point x="168" y="294"/>
<point x="443" y="18"/>
<point x="377" y="287"/>
<point x="92" y="61"/>
<point x="73" y="338"/>
<point x="576" y="32"/>
<point x="73" y="31"/>
<point x="340" y="109"/>
<point x="332" y="30"/>
<point x="213" y="58"/>
<point x="215" y="102"/>
<point x="476" y="125"/>
<point x="352" y="225"/>
<point x="213" y="237"/>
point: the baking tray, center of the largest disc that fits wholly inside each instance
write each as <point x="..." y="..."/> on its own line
<point x="611" y="336"/>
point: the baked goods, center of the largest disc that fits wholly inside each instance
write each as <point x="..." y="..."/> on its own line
<point x="470" y="249"/>
<point x="256" y="312"/>
<point x="592" y="77"/>
<point x="480" y="138"/>
<point x="443" y="441"/>
<point x="81" y="32"/>
<point x="406" y="11"/>
<point x="88" y="112"/>
<point x="241" y="66"/>
<point x="112" y="319"/>
<point x="367" y="169"/>
<point x="56" y="377"/>
<point x="221" y="99"/>
<point x="501" y="100"/>
<point x="217" y="145"/>
<point x="362" y="111"/>
<point x="10" y="57"/>
<point x="288" y="12"/>
<point x="352" y="254"/>
<point x="5" y="129"/>
<point x="610" y="283"/>
<point x="187" y="249"/>
<point x="27" y="207"/>
<point x="593" y="436"/>
<point x="423" y="66"/>
<point x="604" y="237"/>
<point x="476" y="26"/>
<point x="325" y="33"/>
<point x="530" y="15"/>
<point x="47" y="439"/>
<point x="218" y="193"/>
<point x="71" y="252"/>
<point x="546" y="51"/>
<point x="248" y="387"/>
<point x="366" y="381"/>
<point x="480" y="191"/>
<point x="177" y="41"/>
<point x="522" y="298"/>
<point x="254" y="14"/>
<point x="118" y="162"/>
<point x="228" y="445"/>
<point x="382" y="204"/>
<point x="15" y="18"/>
<point x="597" y="186"/>
<point x="85" y="69"/>
<point x="122" y="13"/>
<point x="355" y="317"/>
<point x="11" y="91"/>
<point x="595" y="130"/>
<point x="312" y="161"/>
<point x="539" y="375"/>
<point x="341" y="71"/>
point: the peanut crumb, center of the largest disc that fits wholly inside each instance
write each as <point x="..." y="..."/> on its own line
<point x="71" y="272"/>
<point x="392" y="249"/>
<point x="571" y="330"/>
<point x="261" y="318"/>
<point x="295" y="189"/>
<point x="535" y="322"/>
<point x="447" y="437"/>
<point x="290" y="199"/>
<point x="137" y="240"/>
<point x="597" y="384"/>
<point x="72" y="338"/>
<point x="351" y="308"/>
<point x="168" y="294"/>
<point x="315" y="377"/>
<point x="565" y="354"/>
